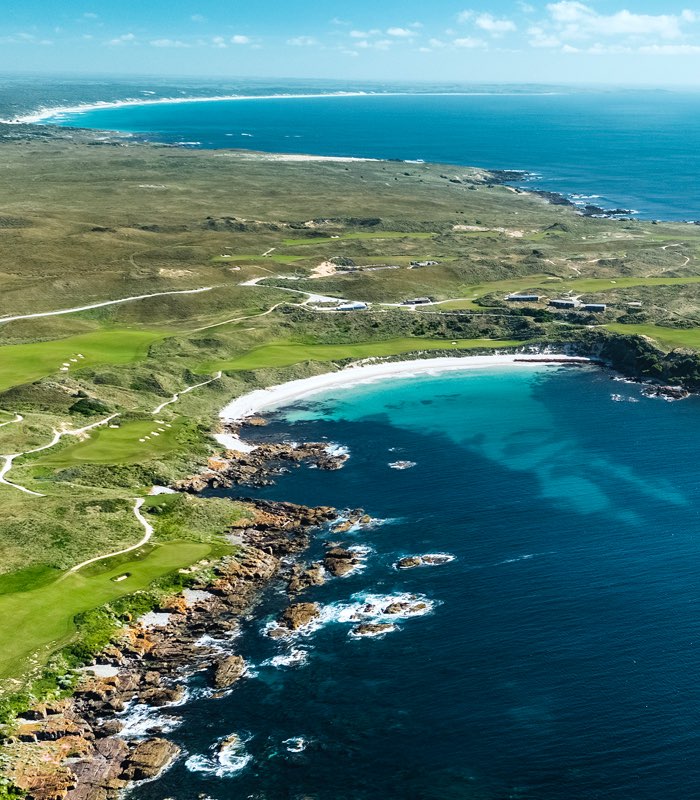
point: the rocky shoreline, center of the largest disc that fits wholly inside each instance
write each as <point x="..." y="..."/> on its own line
<point x="79" y="748"/>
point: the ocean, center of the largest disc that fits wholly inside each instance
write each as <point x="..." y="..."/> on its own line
<point x="635" y="150"/>
<point x="558" y="653"/>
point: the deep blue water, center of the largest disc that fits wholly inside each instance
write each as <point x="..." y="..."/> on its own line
<point x="561" y="658"/>
<point x="636" y="150"/>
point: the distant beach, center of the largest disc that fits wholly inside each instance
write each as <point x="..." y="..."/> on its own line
<point x="605" y="152"/>
<point x="55" y="113"/>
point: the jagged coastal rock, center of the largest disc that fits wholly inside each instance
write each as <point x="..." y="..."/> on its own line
<point x="259" y="467"/>
<point x="298" y="615"/>
<point x="80" y="748"/>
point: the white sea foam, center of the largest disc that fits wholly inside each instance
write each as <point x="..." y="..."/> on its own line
<point x="402" y="464"/>
<point x="218" y="643"/>
<point x="296" y="657"/>
<point x="382" y="608"/>
<point x="619" y="398"/>
<point x="228" y="757"/>
<point x="337" y="450"/>
<point x="141" y="721"/>
<point x="296" y="744"/>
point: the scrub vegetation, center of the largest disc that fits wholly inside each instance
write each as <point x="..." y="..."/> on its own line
<point x="110" y="221"/>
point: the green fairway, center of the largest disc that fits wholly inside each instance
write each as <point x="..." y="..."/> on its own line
<point x="285" y="355"/>
<point x="668" y="338"/>
<point x="118" y="445"/>
<point x="42" y="618"/>
<point x="23" y="363"/>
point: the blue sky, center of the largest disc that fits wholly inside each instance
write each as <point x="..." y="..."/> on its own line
<point x="648" y="42"/>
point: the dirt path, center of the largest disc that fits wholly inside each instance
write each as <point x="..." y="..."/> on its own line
<point x="102" y="304"/>
<point x="57" y="436"/>
<point x="177" y="396"/>
<point x="146" y="538"/>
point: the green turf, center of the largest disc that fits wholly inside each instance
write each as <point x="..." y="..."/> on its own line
<point x="23" y="363"/>
<point x="117" y="445"/>
<point x="285" y="355"/>
<point x="668" y="338"/>
<point x="42" y="618"/>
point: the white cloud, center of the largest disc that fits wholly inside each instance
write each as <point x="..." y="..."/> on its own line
<point x="464" y="16"/>
<point x="168" y="43"/>
<point x="91" y="15"/>
<point x="302" y="41"/>
<point x="494" y="26"/>
<point x="400" y="33"/>
<point x="575" y="20"/>
<point x="125" y="38"/>
<point x="364" y="34"/>
<point x="469" y="42"/>
<point x="240" y="39"/>
<point x="437" y="43"/>
<point x="198" y="18"/>
<point x="670" y="49"/>
<point x="218" y="42"/>
<point x="526" y="8"/>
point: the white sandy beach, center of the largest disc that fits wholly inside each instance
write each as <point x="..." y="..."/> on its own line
<point x="285" y="393"/>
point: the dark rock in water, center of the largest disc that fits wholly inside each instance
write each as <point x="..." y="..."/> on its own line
<point x="339" y="561"/>
<point x="373" y="628"/>
<point x="430" y="559"/>
<point x="148" y="759"/>
<point x="409" y="562"/>
<point x="303" y="578"/>
<point x="437" y="558"/>
<point x="403" y="607"/>
<point x="298" y="615"/>
<point x="666" y="392"/>
<point x="228" y="671"/>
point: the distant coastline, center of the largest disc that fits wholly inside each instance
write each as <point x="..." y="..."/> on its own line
<point x="55" y="112"/>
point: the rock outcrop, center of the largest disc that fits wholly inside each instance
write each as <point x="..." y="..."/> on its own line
<point x="227" y="671"/>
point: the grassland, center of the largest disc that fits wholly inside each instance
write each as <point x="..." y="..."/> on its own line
<point x="93" y="230"/>
<point x="288" y="354"/>
<point x="667" y="338"/>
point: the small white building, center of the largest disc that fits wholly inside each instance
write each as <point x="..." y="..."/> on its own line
<point x="355" y="305"/>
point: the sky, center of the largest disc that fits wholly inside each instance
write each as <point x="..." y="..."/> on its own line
<point x="516" y="41"/>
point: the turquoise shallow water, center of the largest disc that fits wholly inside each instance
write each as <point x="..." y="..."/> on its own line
<point x="638" y="150"/>
<point x="561" y="653"/>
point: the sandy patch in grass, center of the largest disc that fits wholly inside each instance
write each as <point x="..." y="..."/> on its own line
<point x="175" y="273"/>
